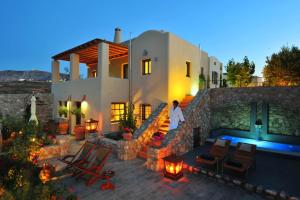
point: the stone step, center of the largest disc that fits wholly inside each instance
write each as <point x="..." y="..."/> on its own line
<point x="163" y="131"/>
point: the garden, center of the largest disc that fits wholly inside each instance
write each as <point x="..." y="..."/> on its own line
<point x="22" y="174"/>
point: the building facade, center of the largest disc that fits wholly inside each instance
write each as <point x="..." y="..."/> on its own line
<point x="153" y="68"/>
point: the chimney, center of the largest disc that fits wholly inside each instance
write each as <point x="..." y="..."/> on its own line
<point x="117" y="38"/>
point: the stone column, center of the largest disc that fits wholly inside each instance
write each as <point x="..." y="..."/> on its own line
<point x="55" y="71"/>
<point x="74" y="66"/>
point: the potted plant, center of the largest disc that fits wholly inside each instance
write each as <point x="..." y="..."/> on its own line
<point x="79" y="129"/>
<point x="63" y="126"/>
<point x="63" y="111"/>
<point x="128" y="125"/>
<point x="157" y="139"/>
<point x="127" y="135"/>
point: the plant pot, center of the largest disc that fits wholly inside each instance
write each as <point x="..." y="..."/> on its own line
<point x="79" y="131"/>
<point x="156" y="143"/>
<point x="63" y="127"/>
<point x="127" y="136"/>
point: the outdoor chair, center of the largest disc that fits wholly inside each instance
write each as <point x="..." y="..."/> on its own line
<point x="80" y="157"/>
<point x="243" y="159"/>
<point x="216" y="154"/>
<point x="93" y="171"/>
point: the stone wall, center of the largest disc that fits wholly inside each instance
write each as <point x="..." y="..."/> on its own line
<point x="180" y="140"/>
<point x="127" y="150"/>
<point x="14" y="103"/>
<point x="284" y="121"/>
<point x="206" y="109"/>
<point x="232" y="116"/>
<point x="231" y="103"/>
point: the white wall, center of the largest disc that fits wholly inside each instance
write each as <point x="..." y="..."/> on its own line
<point x="214" y="65"/>
<point x="153" y="88"/>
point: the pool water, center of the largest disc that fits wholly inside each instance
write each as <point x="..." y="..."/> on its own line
<point x="265" y="145"/>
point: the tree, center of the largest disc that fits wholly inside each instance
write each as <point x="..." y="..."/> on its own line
<point x="283" y="68"/>
<point x="239" y="74"/>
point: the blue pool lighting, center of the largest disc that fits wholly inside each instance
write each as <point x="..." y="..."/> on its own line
<point x="265" y="145"/>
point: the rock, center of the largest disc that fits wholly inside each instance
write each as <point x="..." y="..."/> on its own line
<point x="211" y="173"/>
<point x="283" y="195"/>
<point x="237" y="182"/>
<point x="271" y="193"/>
<point x="249" y="187"/>
<point x="293" y="198"/>
<point x="259" y="189"/>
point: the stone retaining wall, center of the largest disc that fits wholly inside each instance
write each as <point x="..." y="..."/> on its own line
<point x="16" y="104"/>
<point x="180" y="140"/>
<point x="127" y="150"/>
<point x="205" y="105"/>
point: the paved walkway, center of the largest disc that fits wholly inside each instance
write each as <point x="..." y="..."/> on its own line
<point x="134" y="181"/>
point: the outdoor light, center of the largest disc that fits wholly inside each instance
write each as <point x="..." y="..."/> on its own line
<point x="258" y="126"/>
<point x="91" y="125"/>
<point x="173" y="167"/>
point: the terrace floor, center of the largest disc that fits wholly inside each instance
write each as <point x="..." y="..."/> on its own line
<point x="273" y="171"/>
<point x="134" y="181"/>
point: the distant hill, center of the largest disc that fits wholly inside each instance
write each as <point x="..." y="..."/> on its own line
<point x="33" y="75"/>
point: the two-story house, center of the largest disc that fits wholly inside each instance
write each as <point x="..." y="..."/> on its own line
<point x="152" y="68"/>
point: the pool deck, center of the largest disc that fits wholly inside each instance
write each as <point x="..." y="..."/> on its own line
<point x="134" y="182"/>
<point x="273" y="171"/>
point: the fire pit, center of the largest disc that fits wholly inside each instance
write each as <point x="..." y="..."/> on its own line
<point x="173" y="167"/>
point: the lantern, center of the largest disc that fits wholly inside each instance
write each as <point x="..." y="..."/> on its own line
<point x="173" y="167"/>
<point x="45" y="173"/>
<point x="91" y="125"/>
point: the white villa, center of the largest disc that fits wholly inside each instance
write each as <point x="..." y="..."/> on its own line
<point x="153" y="68"/>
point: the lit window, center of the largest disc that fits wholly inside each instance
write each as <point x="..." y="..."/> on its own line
<point x="146" y="66"/>
<point x="117" y="111"/>
<point x="125" y="71"/>
<point x="94" y="73"/>
<point x="188" y="68"/>
<point x="145" y="111"/>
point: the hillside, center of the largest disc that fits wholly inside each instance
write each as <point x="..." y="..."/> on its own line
<point x="33" y="75"/>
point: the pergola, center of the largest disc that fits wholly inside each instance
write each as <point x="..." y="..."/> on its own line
<point x="88" y="52"/>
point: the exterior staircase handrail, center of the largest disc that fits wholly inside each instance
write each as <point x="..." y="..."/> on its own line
<point x="186" y="112"/>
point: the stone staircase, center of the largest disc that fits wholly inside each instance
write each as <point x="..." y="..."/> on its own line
<point x="164" y="127"/>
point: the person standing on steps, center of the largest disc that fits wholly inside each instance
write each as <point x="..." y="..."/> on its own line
<point x="176" y="115"/>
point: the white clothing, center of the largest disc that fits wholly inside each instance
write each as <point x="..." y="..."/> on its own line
<point x="175" y="116"/>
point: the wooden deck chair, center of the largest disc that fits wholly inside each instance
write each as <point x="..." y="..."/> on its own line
<point x="243" y="159"/>
<point x="80" y="157"/>
<point x="216" y="154"/>
<point x="93" y="171"/>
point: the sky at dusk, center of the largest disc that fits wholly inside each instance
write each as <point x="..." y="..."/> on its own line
<point x="32" y="31"/>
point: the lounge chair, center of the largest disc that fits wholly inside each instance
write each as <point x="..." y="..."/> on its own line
<point x="93" y="170"/>
<point x="80" y="157"/>
<point x="216" y="154"/>
<point x="243" y="159"/>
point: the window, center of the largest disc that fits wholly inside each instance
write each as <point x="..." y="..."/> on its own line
<point x="117" y="111"/>
<point x="125" y="71"/>
<point x="146" y="64"/>
<point x="94" y="73"/>
<point x="202" y="70"/>
<point x="215" y="63"/>
<point x="145" y="111"/>
<point x="188" y="68"/>
<point x="214" y="76"/>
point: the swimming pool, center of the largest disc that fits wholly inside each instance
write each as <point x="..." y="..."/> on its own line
<point x="265" y="145"/>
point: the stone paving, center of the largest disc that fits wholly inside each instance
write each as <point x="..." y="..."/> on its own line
<point x="134" y="181"/>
